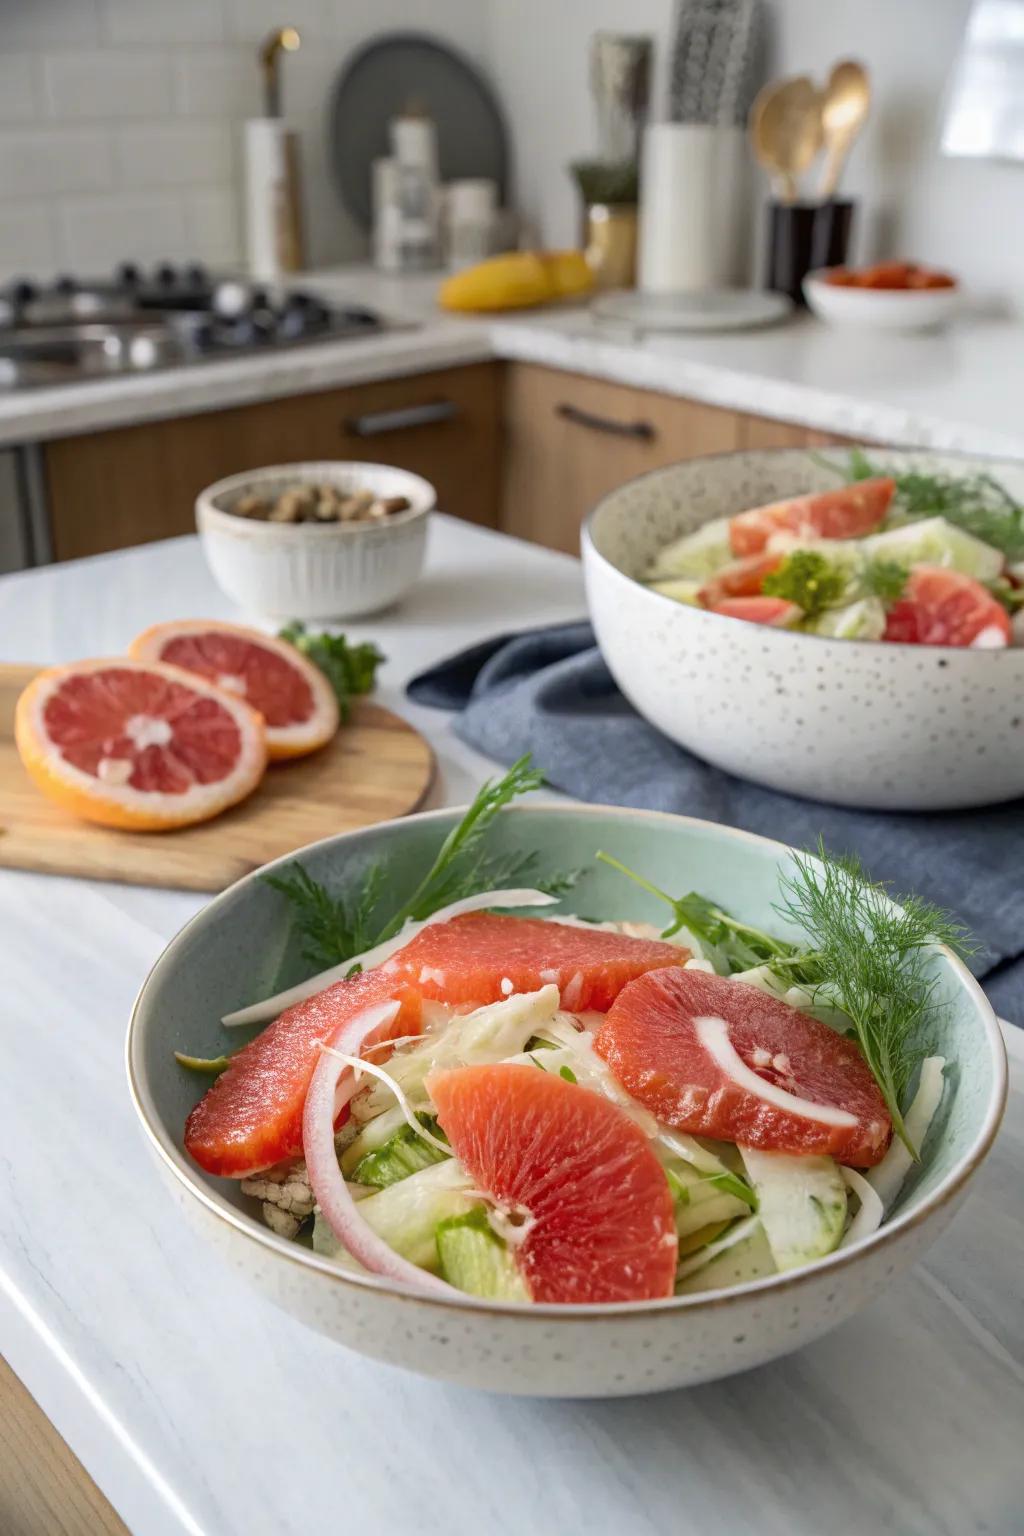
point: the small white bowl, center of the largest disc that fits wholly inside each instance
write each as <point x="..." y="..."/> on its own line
<point x="315" y="570"/>
<point x="880" y="309"/>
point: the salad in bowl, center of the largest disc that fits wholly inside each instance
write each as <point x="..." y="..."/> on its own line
<point x="489" y="1105"/>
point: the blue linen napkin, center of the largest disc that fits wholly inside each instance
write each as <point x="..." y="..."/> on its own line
<point x="548" y="691"/>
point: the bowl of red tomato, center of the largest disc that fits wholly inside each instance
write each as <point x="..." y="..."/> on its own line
<point x="889" y="296"/>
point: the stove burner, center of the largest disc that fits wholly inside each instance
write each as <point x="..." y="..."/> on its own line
<point x="157" y="317"/>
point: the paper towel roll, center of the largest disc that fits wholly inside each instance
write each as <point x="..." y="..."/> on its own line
<point x="694" y="208"/>
<point x="273" y="220"/>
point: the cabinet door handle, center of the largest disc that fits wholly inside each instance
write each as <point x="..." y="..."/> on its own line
<point x="375" y="423"/>
<point x="640" y="429"/>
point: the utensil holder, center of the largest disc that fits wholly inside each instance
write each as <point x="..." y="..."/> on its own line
<point x="694" y="208"/>
<point x="803" y="237"/>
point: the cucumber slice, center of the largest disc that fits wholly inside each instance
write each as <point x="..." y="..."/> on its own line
<point x="863" y="620"/>
<point x="681" y="588"/>
<point x="403" y="1153"/>
<point x="801" y="1202"/>
<point x="933" y="541"/>
<point x="742" y="1254"/>
<point x="406" y="1214"/>
<point x="696" y="555"/>
<point x="474" y="1258"/>
<point x="374" y="1134"/>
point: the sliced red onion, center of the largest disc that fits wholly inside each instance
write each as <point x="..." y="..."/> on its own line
<point x="259" y="1013"/>
<point x="339" y="1209"/>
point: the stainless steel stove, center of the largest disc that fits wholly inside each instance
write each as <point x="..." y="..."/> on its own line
<point x="136" y="320"/>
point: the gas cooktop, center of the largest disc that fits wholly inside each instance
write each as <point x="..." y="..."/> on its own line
<point x="138" y="320"/>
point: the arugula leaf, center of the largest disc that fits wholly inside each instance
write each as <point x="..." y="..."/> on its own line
<point x="334" y="928"/>
<point x="350" y="669"/>
<point x="875" y="958"/>
<point x="806" y="578"/>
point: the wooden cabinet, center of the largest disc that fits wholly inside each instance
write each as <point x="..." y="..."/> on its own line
<point x="569" y="440"/>
<point x="135" y="484"/>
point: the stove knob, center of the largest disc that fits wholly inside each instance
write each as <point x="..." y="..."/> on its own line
<point x="166" y="275"/>
<point x="128" y="275"/>
<point x="205" y="335"/>
<point x="22" y="291"/>
<point x="65" y="284"/>
<point x="196" y="276"/>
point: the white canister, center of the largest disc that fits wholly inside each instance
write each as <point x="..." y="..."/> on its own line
<point x="694" y="208"/>
<point x="470" y="207"/>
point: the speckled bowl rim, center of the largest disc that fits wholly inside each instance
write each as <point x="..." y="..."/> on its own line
<point x="793" y="637"/>
<point x="247" y="1226"/>
<point x="255" y="528"/>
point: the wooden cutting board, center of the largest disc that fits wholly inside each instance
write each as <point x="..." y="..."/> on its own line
<point x="376" y="768"/>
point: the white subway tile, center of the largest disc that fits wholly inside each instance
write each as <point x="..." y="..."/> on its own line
<point x="253" y="19"/>
<point x="96" y="233"/>
<point x="37" y="162"/>
<point x="174" y="155"/>
<point x="214" y="226"/>
<point x="27" y="246"/>
<point x="17" y="86"/>
<point x="108" y="85"/>
<point x="217" y="82"/>
<point x="162" y="21"/>
<point x="48" y="23"/>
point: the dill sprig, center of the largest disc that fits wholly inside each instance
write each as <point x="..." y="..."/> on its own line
<point x="334" y="928"/>
<point x="873" y="948"/>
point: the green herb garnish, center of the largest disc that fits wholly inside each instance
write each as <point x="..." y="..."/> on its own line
<point x="350" y="669"/>
<point x="875" y="959"/>
<point x="884" y="579"/>
<point x="806" y="578"/>
<point x="567" y="1073"/>
<point x="334" y="928"/>
<point x="1011" y="597"/>
<point x="978" y="503"/>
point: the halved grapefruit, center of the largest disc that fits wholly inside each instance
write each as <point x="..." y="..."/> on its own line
<point x="598" y="1224"/>
<point x="293" y="696"/>
<point x="741" y="579"/>
<point x="775" y="611"/>
<point x="484" y="956"/>
<point x="251" y="1118"/>
<point x="944" y="607"/>
<point x="719" y="1058"/>
<point x="845" y="513"/>
<point x="138" y="745"/>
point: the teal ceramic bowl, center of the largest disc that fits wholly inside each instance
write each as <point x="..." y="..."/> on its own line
<point x="241" y="947"/>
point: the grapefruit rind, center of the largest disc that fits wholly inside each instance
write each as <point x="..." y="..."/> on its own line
<point x="122" y="806"/>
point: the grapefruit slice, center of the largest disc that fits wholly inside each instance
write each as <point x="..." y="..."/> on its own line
<point x="719" y="1058"/>
<point x="598" y="1224"/>
<point x="138" y="745"/>
<point x="741" y="579"/>
<point x="293" y="696"/>
<point x="846" y="513"/>
<point x="484" y="956"/>
<point x="775" y="611"/>
<point x="944" y="607"/>
<point x="251" y="1118"/>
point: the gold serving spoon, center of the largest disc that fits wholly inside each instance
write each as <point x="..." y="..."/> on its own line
<point x="785" y="131"/>
<point x="844" y="108"/>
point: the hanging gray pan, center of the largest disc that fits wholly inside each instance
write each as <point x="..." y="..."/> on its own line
<point x="383" y="79"/>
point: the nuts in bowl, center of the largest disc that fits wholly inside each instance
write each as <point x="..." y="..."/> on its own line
<point x="330" y="540"/>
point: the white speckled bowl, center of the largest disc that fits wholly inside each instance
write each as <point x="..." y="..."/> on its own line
<point x="852" y="722"/>
<point x="315" y="570"/>
<point x="880" y="309"/>
<point x="239" y="947"/>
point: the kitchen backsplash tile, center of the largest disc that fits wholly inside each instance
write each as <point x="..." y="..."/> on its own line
<point x="41" y="162"/>
<point x="17" y="87"/>
<point x="173" y="21"/>
<point x="49" y="23"/>
<point x="174" y="155"/>
<point x="28" y="239"/>
<point x="95" y="232"/>
<point x="213" y="226"/>
<point x="108" y="84"/>
<point x="216" y="82"/>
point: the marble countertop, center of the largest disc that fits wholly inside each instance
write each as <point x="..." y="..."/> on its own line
<point x="202" y="1410"/>
<point x="956" y="389"/>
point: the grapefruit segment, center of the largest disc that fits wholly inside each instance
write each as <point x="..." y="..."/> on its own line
<point x="719" y="1058"/>
<point x="846" y="513"/>
<point x="294" y="697"/>
<point x="251" y="1118"/>
<point x="138" y="745"/>
<point x="945" y="607"/>
<point x="775" y="611"/>
<point x="596" y="1210"/>
<point x="472" y="959"/>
